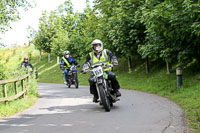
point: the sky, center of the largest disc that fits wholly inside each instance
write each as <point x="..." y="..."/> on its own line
<point x="18" y="33"/>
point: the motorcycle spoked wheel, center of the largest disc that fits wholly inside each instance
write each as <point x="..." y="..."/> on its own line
<point x="69" y="86"/>
<point x="70" y="81"/>
<point x="76" y="81"/>
<point x="108" y="84"/>
<point x="104" y="99"/>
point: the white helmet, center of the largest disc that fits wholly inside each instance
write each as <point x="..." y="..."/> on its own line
<point x="66" y="52"/>
<point x="99" y="42"/>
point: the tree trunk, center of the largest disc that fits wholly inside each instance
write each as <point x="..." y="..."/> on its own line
<point x="58" y="60"/>
<point x="168" y="67"/>
<point x="198" y="62"/>
<point x="147" y="65"/>
<point x="40" y="55"/>
<point x="129" y="64"/>
<point x="198" y="58"/>
<point x="49" y="57"/>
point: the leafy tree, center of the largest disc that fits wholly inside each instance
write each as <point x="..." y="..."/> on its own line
<point x="31" y="34"/>
<point x="122" y="31"/>
<point x="43" y="39"/>
<point x="85" y="31"/>
<point x="9" y="11"/>
<point x="156" y="29"/>
<point x="170" y="33"/>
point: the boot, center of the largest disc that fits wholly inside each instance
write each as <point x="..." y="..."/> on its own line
<point x="118" y="94"/>
<point x="95" y="99"/>
<point x="67" y="82"/>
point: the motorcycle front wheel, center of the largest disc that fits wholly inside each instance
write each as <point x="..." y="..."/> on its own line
<point x="104" y="99"/>
<point x="70" y="82"/>
<point x="69" y="85"/>
<point x="76" y="80"/>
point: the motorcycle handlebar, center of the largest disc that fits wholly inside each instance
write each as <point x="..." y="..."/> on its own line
<point x="107" y="66"/>
<point x="70" y="67"/>
<point x="104" y="67"/>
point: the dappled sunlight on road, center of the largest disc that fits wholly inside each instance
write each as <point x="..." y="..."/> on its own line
<point x="75" y="101"/>
<point x="66" y="105"/>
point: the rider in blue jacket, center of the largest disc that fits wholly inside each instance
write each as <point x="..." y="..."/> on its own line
<point x="66" y="62"/>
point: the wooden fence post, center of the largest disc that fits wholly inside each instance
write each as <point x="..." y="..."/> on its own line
<point x="18" y="94"/>
<point x="16" y="90"/>
<point x="22" y="82"/>
<point x="5" y="92"/>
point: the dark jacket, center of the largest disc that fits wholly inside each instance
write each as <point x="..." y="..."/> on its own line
<point x="71" y="61"/>
<point x="25" y="64"/>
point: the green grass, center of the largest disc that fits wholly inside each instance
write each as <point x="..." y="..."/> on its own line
<point x="16" y="106"/>
<point x="14" y="57"/>
<point x="20" y="104"/>
<point x="51" y="72"/>
<point x="157" y="82"/>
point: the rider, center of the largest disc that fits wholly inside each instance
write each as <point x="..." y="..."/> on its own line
<point x="26" y="63"/>
<point x="101" y="56"/>
<point x="67" y="62"/>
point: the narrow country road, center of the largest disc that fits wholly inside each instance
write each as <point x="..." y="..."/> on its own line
<point x="63" y="110"/>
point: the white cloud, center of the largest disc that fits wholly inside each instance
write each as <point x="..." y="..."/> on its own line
<point x="18" y="34"/>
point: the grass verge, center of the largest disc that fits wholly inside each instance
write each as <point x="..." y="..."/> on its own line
<point x="16" y="106"/>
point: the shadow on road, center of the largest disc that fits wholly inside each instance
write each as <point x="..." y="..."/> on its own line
<point x="55" y="117"/>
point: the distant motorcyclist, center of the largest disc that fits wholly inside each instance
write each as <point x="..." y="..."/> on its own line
<point x="100" y="55"/>
<point x="26" y="63"/>
<point x="67" y="62"/>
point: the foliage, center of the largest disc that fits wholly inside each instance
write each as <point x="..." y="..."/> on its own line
<point x="2" y="69"/>
<point x="2" y="72"/>
<point x="122" y="31"/>
<point x="31" y="34"/>
<point x="170" y="29"/>
<point x="10" y="70"/>
<point x="9" y="11"/>
<point x="43" y="39"/>
<point x="63" y="29"/>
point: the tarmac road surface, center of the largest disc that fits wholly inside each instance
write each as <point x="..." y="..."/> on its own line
<point x="69" y="110"/>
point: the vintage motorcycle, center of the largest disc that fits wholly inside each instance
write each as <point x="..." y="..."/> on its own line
<point x="72" y="76"/>
<point x="105" y="91"/>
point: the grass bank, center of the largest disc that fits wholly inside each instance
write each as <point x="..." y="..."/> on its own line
<point x="10" y="60"/>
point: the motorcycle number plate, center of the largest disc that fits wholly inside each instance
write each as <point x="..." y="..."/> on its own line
<point x="98" y="71"/>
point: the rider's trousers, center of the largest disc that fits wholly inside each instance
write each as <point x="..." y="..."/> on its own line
<point x="66" y="73"/>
